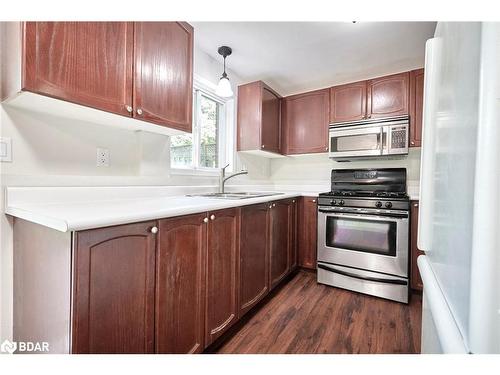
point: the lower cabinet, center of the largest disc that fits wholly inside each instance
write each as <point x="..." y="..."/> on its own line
<point x="180" y="285"/>
<point x="176" y="285"/>
<point x="114" y="288"/>
<point x="307" y="232"/>
<point x="254" y="255"/>
<point x="415" y="279"/>
<point x="221" y="310"/>
<point x="282" y="235"/>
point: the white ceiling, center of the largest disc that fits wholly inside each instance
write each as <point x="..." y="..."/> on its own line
<point x="294" y="57"/>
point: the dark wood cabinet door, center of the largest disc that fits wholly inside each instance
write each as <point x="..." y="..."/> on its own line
<point x="281" y="240"/>
<point x="113" y="301"/>
<point x="271" y="120"/>
<point x="416" y="281"/>
<point x="305" y="122"/>
<point x="388" y="96"/>
<point x="180" y="285"/>
<point x="416" y="106"/>
<point x="88" y="63"/>
<point x="254" y="255"/>
<point x="163" y="73"/>
<point x="222" y="272"/>
<point x="348" y="102"/>
<point x="259" y="118"/>
<point x="308" y="231"/>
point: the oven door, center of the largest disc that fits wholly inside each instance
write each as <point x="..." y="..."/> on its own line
<point x="365" y="241"/>
<point x="356" y="141"/>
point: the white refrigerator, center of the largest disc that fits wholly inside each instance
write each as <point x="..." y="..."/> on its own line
<point x="459" y="222"/>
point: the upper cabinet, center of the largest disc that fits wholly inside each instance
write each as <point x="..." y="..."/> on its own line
<point x="259" y="118"/>
<point x="388" y="96"/>
<point x="88" y="63"/>
<point x="305" y="122"/>
<point x="139" y="70"/>
<point x="163" y="75"/>
<point x="416" y="106"/>
<point x="348" y="102"/>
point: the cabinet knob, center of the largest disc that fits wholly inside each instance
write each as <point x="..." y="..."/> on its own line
<point x="412" y="142"/>
<point x="128" y="108"/>
<point x="369" y="116"/>
<point x="139" y="111"/>
<point x="293" y="201"/>
<point x="314" y="200"/>
<point x="212" y="217"/>
<point x="270" y="206"/>
<point x="415" y="204"/>
<point x="154" y="230"/>
<point x="326" y="148"/>
<point x="205" y="220"/>
<point x="262" y="146"/>
<point x="274" y="204"/>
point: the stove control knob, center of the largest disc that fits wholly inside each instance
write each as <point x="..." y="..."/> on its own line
<point x="333" y="201"/>
<point x="378" y="204"/>
<point x="341" y="202"/>
<point x="388" y="205"/>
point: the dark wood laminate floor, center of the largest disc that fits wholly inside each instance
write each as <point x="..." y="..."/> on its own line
<point x="306" y="317"/>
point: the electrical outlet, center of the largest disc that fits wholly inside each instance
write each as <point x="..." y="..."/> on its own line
<point x="5" y="149"/>
<point x="102" y="157"/>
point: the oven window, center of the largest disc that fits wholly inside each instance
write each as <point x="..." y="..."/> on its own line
<point x="378" y="237"/>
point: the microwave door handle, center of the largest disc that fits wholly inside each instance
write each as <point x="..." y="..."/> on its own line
<point x="381" y="140"/>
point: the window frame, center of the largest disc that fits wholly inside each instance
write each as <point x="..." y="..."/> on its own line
<point x="204" y="88"/>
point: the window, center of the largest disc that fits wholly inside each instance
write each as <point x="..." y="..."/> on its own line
<point x="204" y="149"/>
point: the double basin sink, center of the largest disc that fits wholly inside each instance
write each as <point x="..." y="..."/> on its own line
<point x="237" y="195"/>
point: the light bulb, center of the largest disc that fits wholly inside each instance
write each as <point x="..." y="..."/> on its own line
<point x="224" y="89"/>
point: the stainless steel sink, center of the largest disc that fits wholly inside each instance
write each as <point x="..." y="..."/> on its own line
<point x="235" y="195"/>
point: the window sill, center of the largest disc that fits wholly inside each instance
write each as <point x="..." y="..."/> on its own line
<point x="194" y="172"/>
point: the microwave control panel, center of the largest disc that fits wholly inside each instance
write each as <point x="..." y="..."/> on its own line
<point x="399" y="137"/>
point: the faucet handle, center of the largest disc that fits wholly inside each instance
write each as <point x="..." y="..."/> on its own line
<point x="224" y="168"/>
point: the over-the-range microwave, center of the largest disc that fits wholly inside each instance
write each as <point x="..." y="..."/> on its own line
<point x="369" y="138"/>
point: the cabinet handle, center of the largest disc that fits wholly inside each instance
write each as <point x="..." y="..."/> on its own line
<point x="205" y="220"/>
<point x="129" y="108"/>
<point x="139" y="111"/>
<point x="415" y="204"/>
<point x="154" y="230"/>
<point x="212" y="217"/>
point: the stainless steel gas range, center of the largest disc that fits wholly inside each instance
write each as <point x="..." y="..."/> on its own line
<point x="363" y="226"/>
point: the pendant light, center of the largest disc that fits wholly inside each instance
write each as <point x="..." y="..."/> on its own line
<point x="224" y="87"/>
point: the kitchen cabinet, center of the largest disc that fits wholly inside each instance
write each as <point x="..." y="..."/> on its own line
<point x="88" y="63"/>
<point x="142" y="70"/>
<point x="282" y="235"/>
<point x="222" y="278"/>
<point x="307" y="232"/>
<point x="180" y="285"/>
<point x="348" y="102"/>
<point x="259" y="118"/>
<point x="254" y="255"/>
<point x="416" y="106"/>
<point x="163" y="73"/>
<point x="415" y="281"/>
<point x="305" y="122"/>
<point x="114" y="286"/>
<point x="388" y="96"/>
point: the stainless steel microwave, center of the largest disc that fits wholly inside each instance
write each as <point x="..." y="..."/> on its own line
<point x="372" y="138"/>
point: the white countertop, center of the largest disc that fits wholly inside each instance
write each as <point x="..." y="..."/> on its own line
<point x="75" y="208"/>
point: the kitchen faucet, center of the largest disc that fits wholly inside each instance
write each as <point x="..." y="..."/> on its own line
<point x="223" y="178"/>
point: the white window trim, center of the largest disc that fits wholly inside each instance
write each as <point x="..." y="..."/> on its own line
<point x="226" y="131"/>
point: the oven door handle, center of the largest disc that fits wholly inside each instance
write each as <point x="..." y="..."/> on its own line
<point x="366" y="278"/>
<point x="341" y="215"/>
